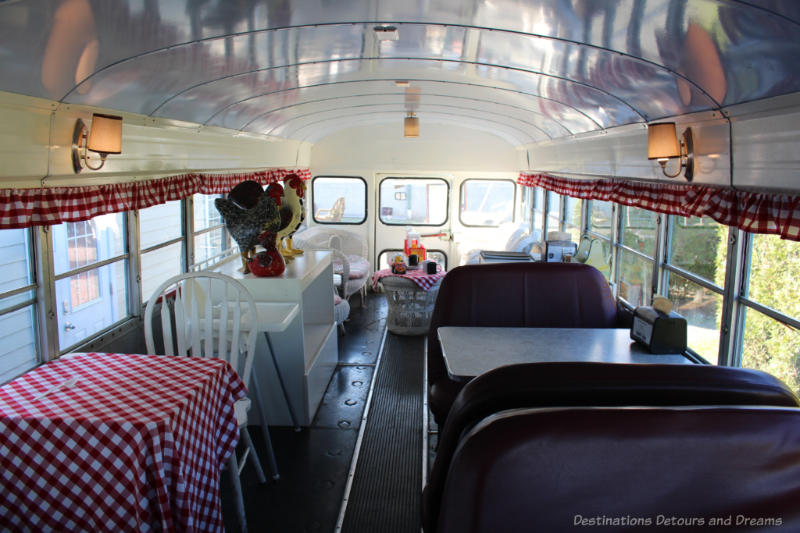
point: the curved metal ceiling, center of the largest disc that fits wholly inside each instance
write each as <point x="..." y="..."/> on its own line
<point x="525" y="70"/>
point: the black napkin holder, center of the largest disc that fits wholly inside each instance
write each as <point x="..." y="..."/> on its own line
<point x="659" y="332"/>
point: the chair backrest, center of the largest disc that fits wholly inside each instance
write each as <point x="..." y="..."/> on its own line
<point x="204" y="314"/>
<point x="519" y="294"/>
<point x="681" y="468"/>
<point x="592" y="384"/>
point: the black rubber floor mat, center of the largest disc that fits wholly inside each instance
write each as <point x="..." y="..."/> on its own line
<point x="385" y="494"/>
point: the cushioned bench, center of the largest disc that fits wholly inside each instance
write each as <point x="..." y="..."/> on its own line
<point x="592" y="384"/>
<point x="614" y="469"/>
<point x="557" y="295"/>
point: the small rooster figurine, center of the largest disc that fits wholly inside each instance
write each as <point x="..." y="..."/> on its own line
<point x="292" y="212"/>
<point x="248" y="213"/>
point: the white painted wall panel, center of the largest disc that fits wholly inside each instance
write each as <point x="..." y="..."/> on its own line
<point x="766" y="144"/>
<point x="438" y="148"/>
<point x="150" y="147"/>
<point x="622" y="152"/>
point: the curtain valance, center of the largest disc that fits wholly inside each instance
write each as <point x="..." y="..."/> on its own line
<point x="44" y="206"/>
<point x="756" y="212"/>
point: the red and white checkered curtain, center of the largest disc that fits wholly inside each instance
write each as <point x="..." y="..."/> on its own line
<point x="22" y="208"/>
<point x="777" y="214"/>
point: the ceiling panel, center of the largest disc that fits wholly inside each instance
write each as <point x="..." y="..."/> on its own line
<point x="552" y="68"/>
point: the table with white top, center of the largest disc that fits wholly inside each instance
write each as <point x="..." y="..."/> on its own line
<point x="471" y="351"/>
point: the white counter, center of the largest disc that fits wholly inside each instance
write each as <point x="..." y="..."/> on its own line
<point x="307" y="349"/>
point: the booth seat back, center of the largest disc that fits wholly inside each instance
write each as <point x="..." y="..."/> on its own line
<point x="555" y="295"/>
<point x="592" y="384"/>
<point x="627" y="469"/>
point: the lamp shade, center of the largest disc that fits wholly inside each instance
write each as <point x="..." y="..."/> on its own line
<point x="411" y="126"/>
<point x="662" y="141"/>
<point x="105" y="135"/>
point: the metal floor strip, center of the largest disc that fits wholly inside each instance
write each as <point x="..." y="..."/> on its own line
<point x="362" y="428"/>
<point x="385" y="491"/>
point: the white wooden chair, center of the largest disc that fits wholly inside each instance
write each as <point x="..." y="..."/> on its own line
<point x="206" y="314"/>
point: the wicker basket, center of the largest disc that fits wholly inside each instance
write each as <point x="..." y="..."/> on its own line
<point x="410" y="307"/>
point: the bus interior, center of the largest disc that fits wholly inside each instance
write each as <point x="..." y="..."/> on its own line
<point x="652" y="145"/>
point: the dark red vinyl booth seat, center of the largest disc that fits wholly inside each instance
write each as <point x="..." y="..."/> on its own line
<point x="580" y="384"/>
<point x="612" y="469"/>
<point x="555" y="295"/>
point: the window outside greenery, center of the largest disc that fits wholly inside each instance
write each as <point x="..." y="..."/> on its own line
<point x="574" y="207"/>
<point x="639" y="230"/>
<point x="698" y="245"/>
<point x="770" y="345"/>
<point x="601" y="218"/>
<point x="636" y="276"/>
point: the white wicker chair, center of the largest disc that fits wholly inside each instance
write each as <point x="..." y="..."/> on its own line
<point x="351" y="266"/>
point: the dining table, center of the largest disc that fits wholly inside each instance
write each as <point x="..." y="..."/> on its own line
<point x="472" y="351"/>
<point x="117" y="442"/>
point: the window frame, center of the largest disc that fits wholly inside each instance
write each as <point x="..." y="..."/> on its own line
<point x="415" y="224"/>
<point x="313" y="195"/>
<point x="461" y="202"/>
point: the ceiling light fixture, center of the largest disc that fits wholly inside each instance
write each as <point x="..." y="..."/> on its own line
<point x="411" y="125"/>
<point x="663" y="145"/>
<point x="105" y="138"/>
<point x="386" y="33"/>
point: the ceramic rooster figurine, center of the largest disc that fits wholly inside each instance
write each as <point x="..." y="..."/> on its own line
<point x="292" y="212"/>
<point x="248" y="213"/>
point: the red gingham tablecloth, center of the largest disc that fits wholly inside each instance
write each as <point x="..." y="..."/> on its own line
<point x="137" y="444"/>
<point x="423" y="280"/>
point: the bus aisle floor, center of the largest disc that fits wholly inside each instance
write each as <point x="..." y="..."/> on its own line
<point x="314" y="463"/>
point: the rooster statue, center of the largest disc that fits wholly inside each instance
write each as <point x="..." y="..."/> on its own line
<point x="248" y="213"/>
<point x="291" y="210"/>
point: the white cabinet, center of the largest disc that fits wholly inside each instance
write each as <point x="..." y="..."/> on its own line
<point x="306" y="350"/>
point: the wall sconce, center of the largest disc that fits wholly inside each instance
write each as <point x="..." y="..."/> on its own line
<point x="411" y="126"/>
<point x="663" y="145"/>
<point x="105" y="138"/>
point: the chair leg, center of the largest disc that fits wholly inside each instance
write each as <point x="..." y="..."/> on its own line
<point x="273" y="463"/>
<point x="283" y="384"/>
<point x="253" y="455"/>
<point x="233" y="469"/>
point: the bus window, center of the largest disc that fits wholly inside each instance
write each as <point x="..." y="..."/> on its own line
<point x="486" y="203"/>
<point x="90" y="265"/>
<point x="573" y="208"/>
<point x="771" y="341"/>
<point x="413" y="201"/>
<point x="161" y="245"/>
<point x="339" y="200"/>
<point x="18" y="352"/>
<point x="553" y="220"/>
<point x="538" y="210"/>
<point x="695" y="276"/>
<point x="636" y="258"/>
<point x="210" y="237"/>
